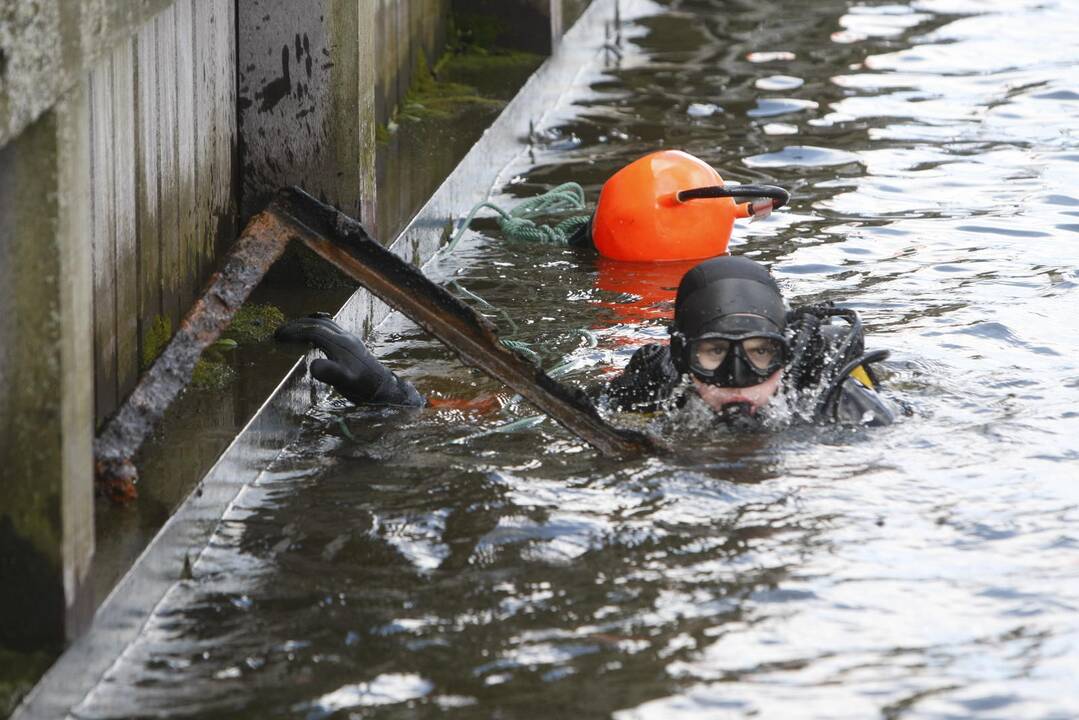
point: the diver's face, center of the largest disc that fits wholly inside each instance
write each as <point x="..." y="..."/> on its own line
<point x="761" y="352"/>
<point x="755" y="396"/>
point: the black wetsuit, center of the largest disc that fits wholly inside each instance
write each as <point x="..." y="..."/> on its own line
<point x="648" y="382"/>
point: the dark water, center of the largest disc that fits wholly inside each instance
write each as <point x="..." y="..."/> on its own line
<point x="432" y="563"/>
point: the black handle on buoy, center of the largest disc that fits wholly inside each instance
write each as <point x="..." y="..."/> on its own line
<point x="778" y="195"/>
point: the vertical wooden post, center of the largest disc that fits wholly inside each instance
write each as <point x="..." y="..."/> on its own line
<point x="306" y="103"/>
<point x="46" y="380"/>
<point x="125" y="214"/>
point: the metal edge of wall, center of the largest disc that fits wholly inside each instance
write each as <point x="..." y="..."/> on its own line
<point x="184" y="536"/>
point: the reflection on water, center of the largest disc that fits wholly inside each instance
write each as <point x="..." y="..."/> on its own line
<point x="403" y="564"/>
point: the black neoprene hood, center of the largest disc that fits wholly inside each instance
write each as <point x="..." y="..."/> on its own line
<point x="732" y="295"/>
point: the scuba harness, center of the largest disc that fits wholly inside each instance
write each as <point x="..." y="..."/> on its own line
<point x="825" y="356"/>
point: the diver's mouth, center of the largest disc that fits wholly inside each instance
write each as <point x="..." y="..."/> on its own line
<point x="740" y="417"/>
<point x="737" y="406"/>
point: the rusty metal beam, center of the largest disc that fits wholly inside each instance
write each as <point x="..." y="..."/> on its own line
<point x="260" y="244"/>
<point x="343" y="242"/>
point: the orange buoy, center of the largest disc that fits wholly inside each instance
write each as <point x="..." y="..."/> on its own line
<point x="640" y="216"/>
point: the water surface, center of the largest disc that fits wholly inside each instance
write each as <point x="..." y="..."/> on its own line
<point x="431" y="564"/>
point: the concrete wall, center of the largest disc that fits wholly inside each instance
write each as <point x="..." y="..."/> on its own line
<point x="310" y="84"/>
<point x="306" y="96"/>
<point x="46" y="393"/>
<point x="117" y="133"/>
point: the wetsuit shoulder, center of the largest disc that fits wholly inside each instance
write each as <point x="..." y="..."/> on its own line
<point x="648" y="379"/>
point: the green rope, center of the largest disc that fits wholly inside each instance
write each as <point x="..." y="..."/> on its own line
<point x="519" y="224"/>
<point x="518" y="345"/>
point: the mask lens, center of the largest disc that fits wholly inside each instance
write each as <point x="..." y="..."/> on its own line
<point x="735" y="362"/>
<point x="709" y="354"/>
<point x="762" y="353"/>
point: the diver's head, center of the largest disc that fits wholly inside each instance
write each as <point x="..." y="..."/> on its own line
<point x="728" y="332"/>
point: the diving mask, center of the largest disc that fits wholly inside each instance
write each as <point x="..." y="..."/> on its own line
<point x="736" y="361"/>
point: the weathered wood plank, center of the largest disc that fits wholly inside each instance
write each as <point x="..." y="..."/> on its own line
<point x="103" y="238"/>
<point x="127" y="278"/>
<point x="378" y="18"/>
<point x="187" y="236"/>
<point x="367" y="106"/>
<point x="205" y="79"/>
<point x="75" y="387"/>
<point x="147" y="221"/>
<point x="434" y="29"/>
<point x="417" y="12"/>
<point x="388" y="55"/>
<point x="404" y="62"/>
<point x="168" y="186"/>
<point x="224" y="179"/>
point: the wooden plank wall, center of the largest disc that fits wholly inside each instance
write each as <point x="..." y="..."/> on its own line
<point x="162" y="146"/>
<point x="162" y="171"/>
<point x="405" y="27"/>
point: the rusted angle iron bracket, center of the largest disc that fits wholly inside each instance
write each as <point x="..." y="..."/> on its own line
<point x="260" y="244"/>
<point x="343" y="242"/>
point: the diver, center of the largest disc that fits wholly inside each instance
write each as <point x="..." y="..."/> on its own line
<point x="741" y="350"/>
<point x="733" y="345"/>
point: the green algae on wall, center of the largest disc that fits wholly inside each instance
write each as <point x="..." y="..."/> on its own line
<point x="154" y="340"/>
<point x="212" y="373"/>
<point x="499" y="72"/>
<point x="431" y="98"/>
<point x="254" y="323"/>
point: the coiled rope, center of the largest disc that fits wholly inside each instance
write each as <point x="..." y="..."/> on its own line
<point x="519" y="223"/>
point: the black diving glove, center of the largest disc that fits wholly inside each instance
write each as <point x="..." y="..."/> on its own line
<point x="349" y="366"/>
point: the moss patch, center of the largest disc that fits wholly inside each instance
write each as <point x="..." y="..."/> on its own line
<point x="499" y="72"/>
<point x="475" y="62"/>
<point x="254" y="323"/>
<point x="154" y="340"/>
<point x="431" y="98"/>
<point x="212" y="374"/>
